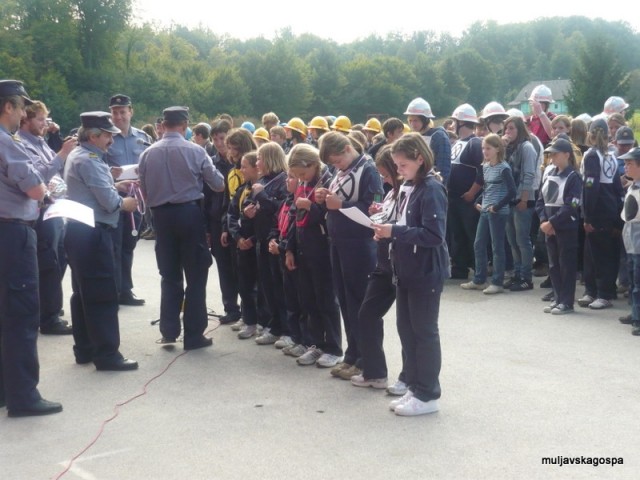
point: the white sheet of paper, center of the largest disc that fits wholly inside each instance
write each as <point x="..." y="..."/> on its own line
<point x="129" y="172"/>
<point x="355" y="214"/>
<point x="70" y="209"/>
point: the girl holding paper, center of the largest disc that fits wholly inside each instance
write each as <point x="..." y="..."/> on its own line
<point x="356" y="183"/>
<point x="421" y="264"/>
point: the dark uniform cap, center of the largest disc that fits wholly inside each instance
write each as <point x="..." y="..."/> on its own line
<point x="101" y="120"/>
<point x="560" y="145"/>
<point x="9" y="88"/>
<point x="120" y="100"/>
<point x="176" y="114"/>
<point x="624" y="136"/>
<point x="599" y="123"/>
<point x="633" y="154"/>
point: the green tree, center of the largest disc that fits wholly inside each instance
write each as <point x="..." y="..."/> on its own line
<point x="597" y="75"/>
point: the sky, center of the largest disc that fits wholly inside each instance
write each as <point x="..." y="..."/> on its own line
<point x="345" y="21"/>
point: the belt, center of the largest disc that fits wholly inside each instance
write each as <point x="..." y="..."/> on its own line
<point x="104" y="226"/>
<point x="167" y="205"/>
<point x="28" y="223"/>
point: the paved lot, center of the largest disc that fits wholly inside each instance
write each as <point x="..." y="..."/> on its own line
<point x="518" y="385"/>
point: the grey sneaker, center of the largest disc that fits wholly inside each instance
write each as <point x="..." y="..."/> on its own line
<point x="550" y="308"/>
<point x="493" y="289"/>
<point x="283" y="342"/>
<point x="600" y="303"/>
<point x="360" y="381"/>
<point x="267" y="338"/>
<point x="585" y="300"/>
<point x="561" y="309"/>
<point x="473" y="286"/>
<point x="327" y="360"/>
<point x="399" y="388"/>
<point x="239" y="325"/>
<point x="295" y="350"/>
<point x="309" y="357"/>
<point x="247" y="331"/>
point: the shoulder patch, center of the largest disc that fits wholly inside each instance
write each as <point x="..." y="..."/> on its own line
<point x="16" y="139"/>
<point x="93" y="155"/>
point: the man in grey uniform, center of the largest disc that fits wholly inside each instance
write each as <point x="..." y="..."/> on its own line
<point x="94" y="302"/>
<point x="125" y="150"/>
<point x="51" y="258"/>
<point x="171" y="174"/>
<point x="21" y="188"/>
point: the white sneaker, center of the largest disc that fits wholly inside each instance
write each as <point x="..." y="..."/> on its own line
<point x="284" y="341"/>
<point x="413" y="407"/>
<point x="266" y="338"/>
<point x="473" y="286"/>
<point x="310" y="356"/>
<point x="550" y="307"/>
<point x="360" y="381"/>
<point x="600" y="303"/>
<point x="399" y="388"/>
<point x="295" y="350"/>
<point x="493" y="289"/>
<point x="247" y="331"/>
<point x="239" y="325"/>
<point x="393" y="404"/>
<point x="327" y="360"/>
<point x="261" y="330"/>
<point x="585" y="300"/>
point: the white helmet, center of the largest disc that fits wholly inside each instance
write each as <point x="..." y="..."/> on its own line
<point x="615" y="105"/>
<point x="585" y="117"/>
<point x="514" y="112"/>
<point x="419" y="106"/>
<point x="465" y="113"/>
<point x="541" y="93"/>
<point x="493" y="109"/>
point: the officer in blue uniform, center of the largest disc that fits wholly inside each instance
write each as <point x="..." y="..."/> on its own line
<point x="94" y="302"/>
<point x="172" y="172"/>
<point x="21" y="189"/>
<point x="125" y="150"/>
<point x="51" y="257"/>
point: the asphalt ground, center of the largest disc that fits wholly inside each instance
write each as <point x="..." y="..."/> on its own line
<point x="518" y="385"/>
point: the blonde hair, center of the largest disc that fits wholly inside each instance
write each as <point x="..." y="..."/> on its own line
<point x="35" y="108"/>
<point x="304" y="155"/>
<point x="359" y="137"/>
<point x="496" y="142"/>
<point x="269" y="120"/>
<point x="251" y="157"/>
<point x="334" y="143"/>
<point x="273" y="159"/>
<point x="413" y="145"/>
<point x="562" y="119"/>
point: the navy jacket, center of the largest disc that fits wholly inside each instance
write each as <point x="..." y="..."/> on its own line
<point x="420" y="256"/>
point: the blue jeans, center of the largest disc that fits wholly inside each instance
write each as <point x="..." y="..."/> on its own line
<point x="518" y="235"/>
<point x="491" y="228"/>
<point x="635" y="292"/>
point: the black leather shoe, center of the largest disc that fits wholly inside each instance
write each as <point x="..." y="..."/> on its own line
<point x="199" y="343"/>
<point x="626" y="320"/>
<point x="41" y="407"/>
<point x="118" y="366"/>
<point x="130" y="300"/>
<point x="229" y="318"/>
<point x="546" y="283"/>
<point x="547" y="297"/>
<point x="58" y="328"/>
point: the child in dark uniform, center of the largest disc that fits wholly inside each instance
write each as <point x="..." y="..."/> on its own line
<point x="421" y="265"/>
<point x="557" y="208"/>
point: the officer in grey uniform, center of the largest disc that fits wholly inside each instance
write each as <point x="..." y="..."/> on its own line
<point x="51" y="258"/>
<point x="125" y="150"/>
<point x="21" y="188"/>
<point x="171" y="173"/>
<point x="94" y="302"/>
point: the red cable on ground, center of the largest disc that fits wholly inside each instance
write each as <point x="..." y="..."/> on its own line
<point x="116" y="410"/>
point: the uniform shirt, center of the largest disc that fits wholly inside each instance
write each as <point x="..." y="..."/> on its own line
<point x="45" y="160"/>
<point x="466" y="164"/>
<point x="559" y="198"/>
<point x="126" y="150"/>
<point x="602" y="191"/>
<point x="17" y="176"/>
<point x="440" y="145"/>
<point x="89" y="182"/>
<point x="172" y="170"/>
<point x="631" y="215"/>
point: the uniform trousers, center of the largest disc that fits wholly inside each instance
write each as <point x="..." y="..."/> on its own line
<point x="52" y="264"/>
<point x="182" y="254"/>
<point x="94" y="301"/>
<point x="562" y="249"/>
<point x="417" y="318"/>
<point x="462" y="221"/>
<point x="270" y="281"/>
<point x="601" y="260"/>
<point x="352" y="260"/>
<point x="227" y="273"/>
<point x="19" y="316"/>
<point x="379" y="298"/>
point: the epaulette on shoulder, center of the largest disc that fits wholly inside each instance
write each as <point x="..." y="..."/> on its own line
<point x="16" y="138"/>
<point x="93" y="155"/>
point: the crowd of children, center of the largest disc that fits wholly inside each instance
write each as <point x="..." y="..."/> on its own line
<point x="302" y="264"/>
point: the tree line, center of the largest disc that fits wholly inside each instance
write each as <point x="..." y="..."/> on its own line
<point x="75" y="54"/>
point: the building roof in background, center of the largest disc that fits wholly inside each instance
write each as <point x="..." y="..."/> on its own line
<point x="559" y="89"/>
